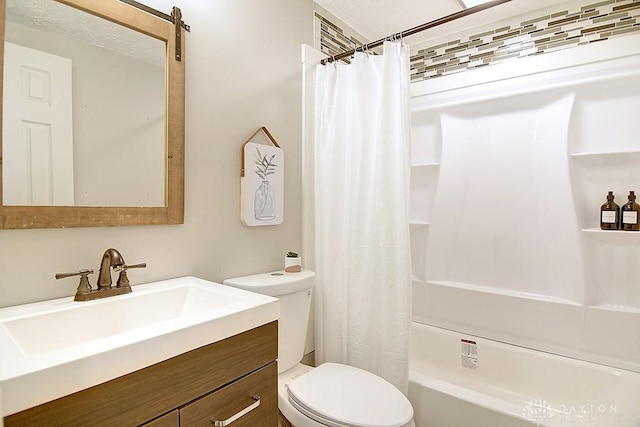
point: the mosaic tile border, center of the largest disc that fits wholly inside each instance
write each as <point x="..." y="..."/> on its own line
<point x="335" y="38"/>
<point x="590" y="23"/>
<point x="565" y="29"/>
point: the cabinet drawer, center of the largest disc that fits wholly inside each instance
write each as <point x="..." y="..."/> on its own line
<point x="228" y="401"/>
<point x="172" y="419"/>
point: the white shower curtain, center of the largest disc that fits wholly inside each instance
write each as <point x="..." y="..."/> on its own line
<point x="362" y="250"/>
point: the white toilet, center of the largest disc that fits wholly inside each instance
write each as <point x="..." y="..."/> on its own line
<point x="332" y="394"/>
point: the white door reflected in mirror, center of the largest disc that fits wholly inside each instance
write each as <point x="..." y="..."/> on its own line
<point x="37" y="128"/>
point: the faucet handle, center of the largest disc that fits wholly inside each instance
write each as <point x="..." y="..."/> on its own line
<point x="123" y="280"/>
<point x="141" y="265"/>
<point x="84" y="287"/>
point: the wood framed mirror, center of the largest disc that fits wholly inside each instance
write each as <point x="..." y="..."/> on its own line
<point x="169" y="207"/>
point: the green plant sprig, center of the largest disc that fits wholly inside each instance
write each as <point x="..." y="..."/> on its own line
<point x="264" y="167"/>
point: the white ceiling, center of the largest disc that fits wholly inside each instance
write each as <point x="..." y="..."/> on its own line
<point x="376" y="19"/>
<point x="54" y="17"/>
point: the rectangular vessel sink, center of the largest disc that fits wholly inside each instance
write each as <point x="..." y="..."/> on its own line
<point x="53" y="348"/>
<point x="82" y="323"/>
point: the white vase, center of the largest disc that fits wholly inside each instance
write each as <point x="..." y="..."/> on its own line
<point x="264" y="202"/>
<point x="292" y="264"/>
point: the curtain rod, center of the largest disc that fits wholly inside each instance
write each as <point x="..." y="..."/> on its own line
<point x="416" y="30"/>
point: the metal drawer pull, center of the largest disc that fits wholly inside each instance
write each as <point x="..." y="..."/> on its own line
<point x="245" y="411"/>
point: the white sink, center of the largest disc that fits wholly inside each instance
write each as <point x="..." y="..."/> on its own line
<point x="56" y="328"/>
<point x="53" y="348"/>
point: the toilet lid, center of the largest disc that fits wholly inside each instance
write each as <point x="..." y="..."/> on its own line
<point x="340" y="395"/>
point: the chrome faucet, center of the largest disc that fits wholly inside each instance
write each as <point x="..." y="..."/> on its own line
<point x="110" y="259"/>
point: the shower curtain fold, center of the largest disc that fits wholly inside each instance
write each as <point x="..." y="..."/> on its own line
<point x="362" y="249"/>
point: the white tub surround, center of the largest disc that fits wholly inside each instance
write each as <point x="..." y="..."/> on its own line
<point x="511" y="386"/>
<point x="510" y="166"/>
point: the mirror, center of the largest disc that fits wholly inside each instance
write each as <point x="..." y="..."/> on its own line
<point x="126" y="163"/>
<point x="84" y="107"/>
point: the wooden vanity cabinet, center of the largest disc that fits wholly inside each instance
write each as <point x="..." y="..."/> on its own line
<point x="172" y="419"/>
<point x="214" y="381"/>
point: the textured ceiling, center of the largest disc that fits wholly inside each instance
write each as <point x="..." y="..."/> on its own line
<point x="376" y="19"/>
<point x="55" y="17"/>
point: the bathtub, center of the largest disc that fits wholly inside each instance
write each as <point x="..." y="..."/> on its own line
<point x="458" y="380"/>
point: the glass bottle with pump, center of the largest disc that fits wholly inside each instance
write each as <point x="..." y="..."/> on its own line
<point x="610" y="214"/>
<point x="630" y="214"/>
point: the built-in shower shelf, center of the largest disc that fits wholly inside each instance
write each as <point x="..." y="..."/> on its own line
<point x="424" y="177"/>
<point x="612" y="235"/>
<point x="418" y="233"/>
<point x="617" y="308"/>
<point x="426" y="165"/>
<point x="608" y="156"/>
<point x="502" y="291"/>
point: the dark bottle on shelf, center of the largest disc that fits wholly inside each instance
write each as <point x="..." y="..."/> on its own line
<point x="630" y="214"/>
<point x="610" y="214"/>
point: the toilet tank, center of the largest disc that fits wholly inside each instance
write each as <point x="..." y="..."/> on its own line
<point x="294" y="292"/>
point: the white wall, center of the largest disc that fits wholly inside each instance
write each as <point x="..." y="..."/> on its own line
<point x="242" y="72"/>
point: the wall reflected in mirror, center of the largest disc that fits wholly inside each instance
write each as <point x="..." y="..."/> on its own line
<point x="84" y="110"/>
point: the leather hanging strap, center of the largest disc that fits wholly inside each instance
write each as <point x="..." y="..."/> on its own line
<point x="266" y="132"/>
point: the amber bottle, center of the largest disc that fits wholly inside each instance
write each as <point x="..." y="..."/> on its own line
<point x="610" y="214"/>
<point x="630" y="214"/>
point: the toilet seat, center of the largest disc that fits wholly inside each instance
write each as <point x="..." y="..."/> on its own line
<point x="339" y="395"/>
